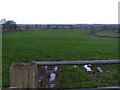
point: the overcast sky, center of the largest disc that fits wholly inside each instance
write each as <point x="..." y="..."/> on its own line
<point x="60" y="11"/>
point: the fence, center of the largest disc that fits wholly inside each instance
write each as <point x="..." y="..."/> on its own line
<point x="25" y="75"/>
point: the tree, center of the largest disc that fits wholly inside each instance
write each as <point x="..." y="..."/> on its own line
<point x="9" y="26"/>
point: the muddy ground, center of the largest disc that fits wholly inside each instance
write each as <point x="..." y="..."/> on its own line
<point x="44" y="76"/>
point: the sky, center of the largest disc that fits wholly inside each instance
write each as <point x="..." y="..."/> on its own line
<point x="60" y="11"/>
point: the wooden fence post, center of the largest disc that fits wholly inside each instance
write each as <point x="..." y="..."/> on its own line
<point x="23" y="75"/>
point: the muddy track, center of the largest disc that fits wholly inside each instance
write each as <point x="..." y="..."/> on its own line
<point x="102" y="36"/>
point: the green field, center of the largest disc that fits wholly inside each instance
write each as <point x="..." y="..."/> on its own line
<point x="60" y="45"/>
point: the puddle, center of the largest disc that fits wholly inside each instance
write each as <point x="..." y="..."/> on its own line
<point x="87" y="67"/>
<point x="99" y="69"/>
<point x="52" y="85"/>
<point x="47" y="76"/>
<point x="91" y="68"/>
<point x="55" y="68"/>
<point x="52" y="79"/>
<point x="46" y="68"/>
<point x="75" y="66"/>
<point x="40" y="79"/>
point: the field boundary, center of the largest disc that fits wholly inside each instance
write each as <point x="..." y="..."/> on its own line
<point x="76" y="62"/>
<point x="25" y="75"/>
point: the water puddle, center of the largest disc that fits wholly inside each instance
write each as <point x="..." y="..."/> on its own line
<point x="40" y="79"/>
<point x="91" y="68"/>
<point x="75" y="65"/>
<point x="88" y="67"/>
<point x="99" y="69"/>
<point x="47" y="76"/>
<point x="52" y="79"/>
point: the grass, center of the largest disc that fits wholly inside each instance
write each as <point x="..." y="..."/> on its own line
<point x="73" y="77"/>
<point x="55" y="45"/>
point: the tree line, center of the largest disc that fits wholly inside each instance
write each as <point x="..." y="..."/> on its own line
<point x="10" y="25"/>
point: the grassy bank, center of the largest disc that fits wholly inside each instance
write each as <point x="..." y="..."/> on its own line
<point x="55" y="45"/>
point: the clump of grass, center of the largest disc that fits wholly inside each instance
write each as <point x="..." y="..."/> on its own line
<point x="73" y="77"/>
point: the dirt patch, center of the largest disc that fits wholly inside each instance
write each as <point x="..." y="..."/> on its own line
<point x="44" y="75"/>
<point x="102" y="36"/>
<point x="101" y="78"/>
